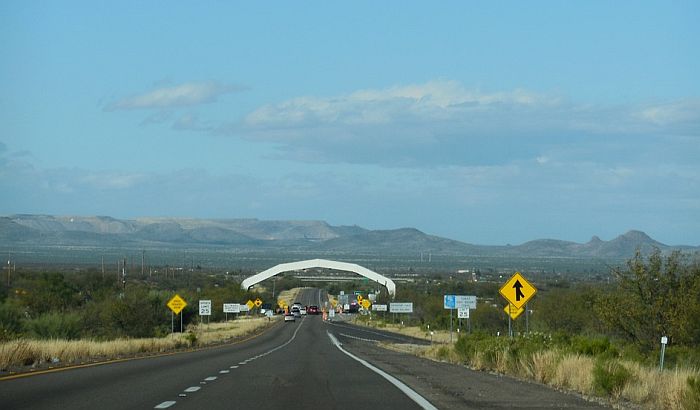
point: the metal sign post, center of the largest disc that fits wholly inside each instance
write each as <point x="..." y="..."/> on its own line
<point x="664" y="341"/>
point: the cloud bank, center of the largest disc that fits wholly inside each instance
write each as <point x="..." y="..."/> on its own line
<point x="444" y="123"/>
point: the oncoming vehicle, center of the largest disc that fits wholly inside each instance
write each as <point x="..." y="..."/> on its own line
<point x="296" y="312"/>
<point x="289" y="317"/>
<point x="302" y="311"/>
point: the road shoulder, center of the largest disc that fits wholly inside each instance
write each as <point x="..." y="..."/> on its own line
<point x="449" y="386"/>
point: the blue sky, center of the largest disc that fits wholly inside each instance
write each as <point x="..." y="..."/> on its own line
<point x="490" y="122"/>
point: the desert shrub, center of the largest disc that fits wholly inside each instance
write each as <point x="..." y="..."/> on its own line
<point x="594" y="346"/>
<point x="691" y="398"/>
<point x="610" y="377"/>
<point x="10" y="322"/>
<point x="54" y="326"/>
<point x="191" y="338"/>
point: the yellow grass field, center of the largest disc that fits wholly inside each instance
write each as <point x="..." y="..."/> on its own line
<point x="25" y="352"/>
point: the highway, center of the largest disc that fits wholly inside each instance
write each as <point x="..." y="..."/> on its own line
<point x="307" y="364"/>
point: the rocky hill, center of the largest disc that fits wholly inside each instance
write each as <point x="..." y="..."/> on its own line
<point x="47" y="230"/>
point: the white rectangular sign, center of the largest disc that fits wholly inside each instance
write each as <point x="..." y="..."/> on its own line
<point x="232" y="308"/>
<point x="205" y="307"/>
<point x="379" y="308"/>
<point x="465" y="302"/>
<point x="462" y="313"/>
<point x="244" y="307"/>
<point x="401" y="307"/>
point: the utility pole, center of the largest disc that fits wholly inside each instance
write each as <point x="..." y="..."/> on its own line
<point x="124" y="274"/>
<point x="9" y="269"/>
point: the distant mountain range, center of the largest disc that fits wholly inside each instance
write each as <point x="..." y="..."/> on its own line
<point x="309" y="236"/>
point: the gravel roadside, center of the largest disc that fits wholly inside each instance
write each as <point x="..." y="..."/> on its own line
<point x="449" y="386"/>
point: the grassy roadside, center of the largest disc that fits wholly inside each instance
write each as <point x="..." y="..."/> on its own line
<point x="289" y="296"/>
<point x="25" y="354"/>
<point x="588" y="372"/>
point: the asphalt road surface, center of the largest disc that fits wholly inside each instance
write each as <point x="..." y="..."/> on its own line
<point x="307" y="364"/>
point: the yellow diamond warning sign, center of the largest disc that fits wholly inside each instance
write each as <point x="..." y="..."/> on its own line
<point x="512" y="311"/>
<point x="176" y="304"/>
<point x="517" y="290"/>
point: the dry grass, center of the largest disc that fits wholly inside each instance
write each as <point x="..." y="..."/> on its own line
<point x="439" y="336"/>
<point x="657" y="390"/>
<point x="574" y="372"/>
<point x="540" y="366"/>
<point x="289" y="296"/>
<point x="647" y="387"/>
<point x="218" y="332"/>
<point x="25" y="352"/>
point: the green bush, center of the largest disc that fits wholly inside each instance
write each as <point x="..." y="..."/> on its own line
<point x="610" y="377"/>
<point x="191" y="337"/>
<point x="691" y="398"/>
<point x="10" y="321"/>
<point x="594" y="346"/>
<point x="55" y="326"/>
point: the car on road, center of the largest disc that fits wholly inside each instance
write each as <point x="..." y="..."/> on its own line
<point x="302" y="311"/>
<point x="289" y="317"/>
<point x="312" y="310"/>
<point x="296" y="311"/>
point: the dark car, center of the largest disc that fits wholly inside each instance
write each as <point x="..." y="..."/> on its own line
<point x="312" y="310"/>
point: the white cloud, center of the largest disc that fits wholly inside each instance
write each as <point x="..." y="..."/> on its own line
<point x="442" y="123"/>
<point x="677" y="112"/>
<point x="432" y="101"/>
<point x="186" y="94"/>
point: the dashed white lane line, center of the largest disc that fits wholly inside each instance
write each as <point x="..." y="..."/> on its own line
<point x="166" y="404"/>
<point x="417" y="398"/>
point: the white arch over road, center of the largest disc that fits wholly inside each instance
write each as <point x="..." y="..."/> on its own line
<point x="320" y="263"/>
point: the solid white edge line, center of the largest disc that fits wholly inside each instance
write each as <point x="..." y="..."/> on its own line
<point x="420" y="400"/>
<point x="165" y="405"/>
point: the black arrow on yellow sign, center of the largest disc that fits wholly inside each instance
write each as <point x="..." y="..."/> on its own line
<point x="518" y="293"/>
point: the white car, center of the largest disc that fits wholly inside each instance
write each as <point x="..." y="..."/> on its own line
<point x="289" y="318"/>
<point x="302" y="311"/>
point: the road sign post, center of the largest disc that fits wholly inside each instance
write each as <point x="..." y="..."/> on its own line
<point x="517" y="291"/>
<point x="664" y="341"/>
<point x="205" y="308"/>
<point x="176" y="304"/>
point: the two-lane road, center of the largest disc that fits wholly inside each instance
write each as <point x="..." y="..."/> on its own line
<point x="292" y="365"/>
<point x="307" y="364"/>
